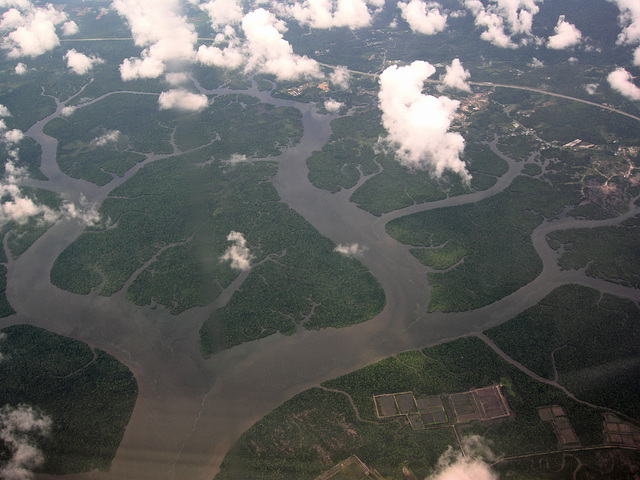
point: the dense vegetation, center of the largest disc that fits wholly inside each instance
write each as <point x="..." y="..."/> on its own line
<point x="86" y="392"/>
<point x="591" y="341"/>
<point x="305" y="282"/>
<point x="610" y="253"/>
<point x="172" y="219"/>
<point x="483" y="250"/>
<point x="19" y="237"/>
<point x="235" y="124"/>
<point x="563" y="121"/>
<point x="351" y="154"/>
<point x="319" y="428"/>
<point x="135" y="116"/>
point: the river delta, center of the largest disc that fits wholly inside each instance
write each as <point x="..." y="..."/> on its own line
<point x="191" y="410"/>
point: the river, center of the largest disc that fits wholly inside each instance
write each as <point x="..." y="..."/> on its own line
<point x="189" y="410"/>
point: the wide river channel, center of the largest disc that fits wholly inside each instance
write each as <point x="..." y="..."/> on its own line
<point x="190" y="410"/>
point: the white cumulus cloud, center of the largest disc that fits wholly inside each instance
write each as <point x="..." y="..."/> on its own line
<point x="340" y="77"/>
<point x="238" y="254"/>
<point x="166" y="35"/>
<point x="222" y="12"/>
<point x="470" y="466"/>
<point x="630" y="22"/>
<point x="418" y="124"/>
<point x="13" y="136"/>
<point x="19" y="208"/>
<point x="182" y="100"/>
<point x="566" y="35"/>
<point x="21" y="4"/>
<point x="333" y="13"/>
<point x="68" y="110"/>
<point x="333" y="106"/>
<point x="80" y="63"/>
<point x="176" y="78"/>
<point x="236" y="158"/>
<point x="351" y="250"/>
<point x="263" y="49"/>
<point x="270" y="53"/>
<point x="15" y="205"/>
<point x="110" y="136"/>
<point x="504" y="20"/>
<point x="21" y="69"/>
<point x="622" y="81"/>
<point x="231" y="56"/>
<point x="455" y="77"/>
<point x="20" y="427"/>
<point x="591" y="88"/>
<point x="69" y="28"/>
<point x="30" y="32"/>
<point x="423" y="17"/>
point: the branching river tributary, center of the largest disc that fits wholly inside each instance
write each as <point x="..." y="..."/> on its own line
<point x="190" y="410"/>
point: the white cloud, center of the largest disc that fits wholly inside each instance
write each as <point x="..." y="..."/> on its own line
<point x="68" y="110"/>
<point x="264" y="49"/>
<point x="182" y="100"/>
<point x="147" y="67"/>
<point x="237" y="158"/>
<point x="19" y="208"/>
<point x="270" y="53"/>
<point x="32" y="32"/>
<point x="566" y="35"/>
<point x="470" y="466"/>
<point x="166" y="35"/>
<point x="351" y="250"/>
<point x="4" y="111"/>
<point x="79" y="62"/>
<point x="504" y="19"/>
<point x="455" y="77"/>
<point x="19" y="428"/>
<point x="420" y="20"/>
<point x="622" y="81"/>
<point x="536" y="63"/>
<point x="340" y="77"/>
<point x="232" y="56"/>
<point x="13" y="136"/>
<point x="591" y="88"/>
<point x="222" y="12"/>
<point x="176" y="78"/>
<point x="69" y="28"/>
<point x="630" y="22"/>
<point x="418" y="124"/>
<point x="21" y="4"/>
<point x="16" y="206"/>
<point x="238" y="254"/>
<point x="333" y="13"/>
<point x="110" y="136"/>
<point x="333" y="106"/>
<point x="86" y="212"/>
<point x="21" y="69"/>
